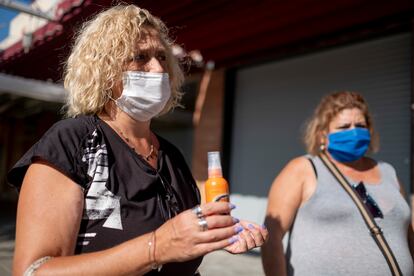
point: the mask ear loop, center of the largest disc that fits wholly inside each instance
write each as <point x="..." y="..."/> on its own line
<point x="110" y="97"/>
<point x="108" y="94"/>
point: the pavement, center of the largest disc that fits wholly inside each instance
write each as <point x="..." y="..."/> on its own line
<point x="224" y="264"/>
<point x="7" y="230"/>
<point x="216" y="263"/>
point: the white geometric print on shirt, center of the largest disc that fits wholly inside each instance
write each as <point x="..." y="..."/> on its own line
<point x="84" y="238"/>
<point x="100" y="202"/>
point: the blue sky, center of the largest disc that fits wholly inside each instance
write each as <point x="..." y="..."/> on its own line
<point x="5" y="16"/>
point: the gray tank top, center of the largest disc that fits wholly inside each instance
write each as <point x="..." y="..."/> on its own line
<point x="329" y="236"/>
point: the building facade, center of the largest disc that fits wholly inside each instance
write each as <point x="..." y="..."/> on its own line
<point x="273" y="62"/>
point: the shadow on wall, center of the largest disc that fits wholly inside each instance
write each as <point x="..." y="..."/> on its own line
<point x="7" y="220"/>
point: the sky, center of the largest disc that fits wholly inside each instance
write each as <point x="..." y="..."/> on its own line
<point x="5" y="16"/>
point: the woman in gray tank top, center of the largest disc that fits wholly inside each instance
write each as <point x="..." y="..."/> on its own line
<point x="328" y="235"/>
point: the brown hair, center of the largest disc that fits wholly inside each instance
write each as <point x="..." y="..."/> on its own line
<point x="329" y="107"/>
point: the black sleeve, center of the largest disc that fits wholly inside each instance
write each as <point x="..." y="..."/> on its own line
<point x="61" y="147"/>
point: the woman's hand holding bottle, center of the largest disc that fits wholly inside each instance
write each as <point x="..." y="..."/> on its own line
<point x="194" y="233"/>
<point x="217" y="189"/>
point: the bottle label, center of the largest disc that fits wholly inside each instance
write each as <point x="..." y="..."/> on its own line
<point x="221" y="197"/>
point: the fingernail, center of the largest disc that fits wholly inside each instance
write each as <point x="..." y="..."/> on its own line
<point x="264" y="227"/>
<point x="251" y="226"/>
<point x="233" y="239"/>
<point x="238" y="229"/>
<point x="236" y="220"/>
<point x="232" y="206"/>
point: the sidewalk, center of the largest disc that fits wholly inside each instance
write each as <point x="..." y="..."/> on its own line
<point x="224" y="264"/>
<point x="216" y="263"/>
<point x="7" y="229"/>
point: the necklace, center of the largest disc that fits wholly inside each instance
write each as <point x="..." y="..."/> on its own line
<point x="147" y="157"/>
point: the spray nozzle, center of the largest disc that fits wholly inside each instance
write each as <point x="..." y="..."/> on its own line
<point x="214" y="164"/>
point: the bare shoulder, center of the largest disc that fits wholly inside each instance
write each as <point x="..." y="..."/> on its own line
<point x="297" y="180"/>
<point x="300" y="166"/>
<point x="293" y="175"/>
<point x="286" y="193"/>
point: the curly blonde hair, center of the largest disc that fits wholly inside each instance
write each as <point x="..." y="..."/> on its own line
<point x="101" y="51"/>
<point x="329" y="107"/>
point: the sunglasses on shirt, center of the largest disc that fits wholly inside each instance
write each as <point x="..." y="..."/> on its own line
<point x="369" y="202"/>
<point x="167" y="199"/>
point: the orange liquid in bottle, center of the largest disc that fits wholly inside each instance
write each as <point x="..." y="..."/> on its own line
<point x="216" y="187"/>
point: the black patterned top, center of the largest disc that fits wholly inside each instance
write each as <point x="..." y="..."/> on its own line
<point x="124" y="196"/>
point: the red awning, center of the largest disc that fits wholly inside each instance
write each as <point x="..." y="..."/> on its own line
<point x="64" y="12"/>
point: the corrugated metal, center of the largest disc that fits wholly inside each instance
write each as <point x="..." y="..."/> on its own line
<point x="272" y="102"/>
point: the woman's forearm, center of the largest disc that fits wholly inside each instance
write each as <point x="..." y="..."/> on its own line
<point x="273" y="258"/>
<point x="133" y="257"/>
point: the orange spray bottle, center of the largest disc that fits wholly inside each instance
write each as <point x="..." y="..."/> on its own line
<point x="216" y="187"/>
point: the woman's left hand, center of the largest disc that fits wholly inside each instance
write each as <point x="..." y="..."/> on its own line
<point x="252" y="236"/>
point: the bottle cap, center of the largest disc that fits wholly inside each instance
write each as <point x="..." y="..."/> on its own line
<point x="214" y="164"/>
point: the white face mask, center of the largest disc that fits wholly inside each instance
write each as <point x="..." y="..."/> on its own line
<point x="144" y="95"/>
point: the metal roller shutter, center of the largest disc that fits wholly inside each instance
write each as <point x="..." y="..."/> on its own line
<point x="272" y="102"/>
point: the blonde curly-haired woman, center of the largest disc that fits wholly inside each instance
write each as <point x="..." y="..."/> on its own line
<point x="328" y="235"/>
<point x="100" y="193"/>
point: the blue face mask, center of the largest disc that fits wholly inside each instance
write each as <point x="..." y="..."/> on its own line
<point x="349" y="145"/>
